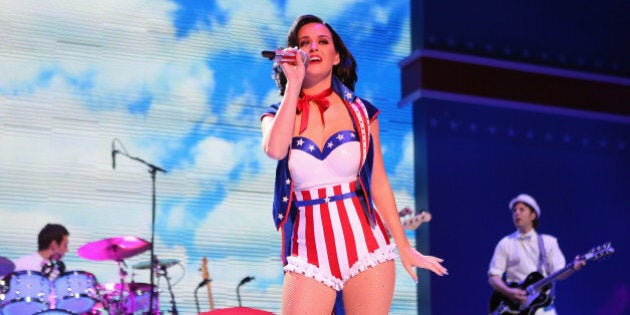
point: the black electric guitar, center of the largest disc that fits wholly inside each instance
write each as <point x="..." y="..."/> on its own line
<point x="538" y="287"/>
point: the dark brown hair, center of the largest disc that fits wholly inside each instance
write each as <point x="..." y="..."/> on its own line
<point x="346" y="70"/>
<point x="51" y="232"/>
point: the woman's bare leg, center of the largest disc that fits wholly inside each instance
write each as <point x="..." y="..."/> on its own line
<point x="303" y="295"/>
<point x="371" y="291"/>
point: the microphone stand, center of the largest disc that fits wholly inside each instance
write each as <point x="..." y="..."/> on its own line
<point x="195" y="293"/>
<point x="122" y="274"/>
<point x="238" y="287"/>
<point x="238" y="294"/>
<point x="197" y="299"/>
<point x="153" y="169"/>
<point x="170" y="290"/>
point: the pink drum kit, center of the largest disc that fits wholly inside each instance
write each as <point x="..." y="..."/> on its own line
<point x="78" y="292"/>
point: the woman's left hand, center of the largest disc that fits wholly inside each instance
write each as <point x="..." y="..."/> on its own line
<point x="411" y="258"/>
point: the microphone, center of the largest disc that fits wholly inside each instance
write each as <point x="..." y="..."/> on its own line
<point x="269" y="54"/>
<point x="276" y="55"/>
<point x="47" y="268"/>
<point x="114" y="151"/>
<point x="61" y="266"/>
<point x="245" y="280"/>
<point x="53" y="265"/>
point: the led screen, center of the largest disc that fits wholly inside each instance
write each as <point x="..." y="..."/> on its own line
<point x="177" y="86"/>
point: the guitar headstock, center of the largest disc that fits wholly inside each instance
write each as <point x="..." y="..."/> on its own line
<point x="413" y="222"/>
<point x="599" y="252"/>
<point x="405" y="211"/>
<point x="204" y="269"/>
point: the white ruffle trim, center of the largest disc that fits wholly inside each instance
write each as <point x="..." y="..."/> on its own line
<point x="298" y="265"/>
<point x="381" y="255"/>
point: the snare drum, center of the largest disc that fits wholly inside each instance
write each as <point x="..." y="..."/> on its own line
<point x="139" y="300"/>
<point x="76" y="291"/>
<point x="26" y="292"/>
<point x="136" y="299"/>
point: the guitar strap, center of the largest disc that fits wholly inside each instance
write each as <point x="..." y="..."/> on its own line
<point x="542" y="257"/>
<point x="542" y="263"/>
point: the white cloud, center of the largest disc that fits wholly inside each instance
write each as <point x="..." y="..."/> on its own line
<point x="217" y="154"/>
<point x="122" y="52"/>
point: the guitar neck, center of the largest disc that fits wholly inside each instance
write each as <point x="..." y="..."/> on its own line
<point x="210" y="300"/>
<point x="594" y="254"/>
<point x="206" y="277"/>
<point x="536" y="286"/>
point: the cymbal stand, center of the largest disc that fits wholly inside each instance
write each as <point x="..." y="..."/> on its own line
<point x="122" y="273"/>
<point x="162" y="272"/>
<point x="153" y="169"/>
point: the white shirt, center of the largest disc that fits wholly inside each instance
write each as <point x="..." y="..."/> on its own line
<point x="35" y="262"/>
<point x="31" y="262"/>
<point x="517" y="255"/>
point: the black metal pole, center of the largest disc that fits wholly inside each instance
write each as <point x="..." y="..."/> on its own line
<point x="238" y="288"/>
<point x="152" y="170"/>
<point x="238" y="294"/>
<point x="197" y="300"/>
<point x="153" y="262"/>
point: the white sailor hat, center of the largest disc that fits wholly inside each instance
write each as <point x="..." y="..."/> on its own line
<point x="528" y="200"/>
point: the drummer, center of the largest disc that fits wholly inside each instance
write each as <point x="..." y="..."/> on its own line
<point x="52" y="246"/>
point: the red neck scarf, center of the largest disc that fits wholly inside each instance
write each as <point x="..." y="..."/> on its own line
<point x="321" y="102"/>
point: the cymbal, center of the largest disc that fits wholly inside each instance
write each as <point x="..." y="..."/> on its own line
<point x="163" y="263"/>
<point x="114" y="248"/>
<point x="6" y="266"/>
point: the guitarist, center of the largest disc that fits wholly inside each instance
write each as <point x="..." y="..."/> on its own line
<point x="518" y="255"/>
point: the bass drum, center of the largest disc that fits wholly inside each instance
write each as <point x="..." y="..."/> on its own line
<point x="55" y="312"/>
<point x="24" y="292"/>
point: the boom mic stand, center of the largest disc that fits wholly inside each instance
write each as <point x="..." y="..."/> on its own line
<point x="152" y="170"/>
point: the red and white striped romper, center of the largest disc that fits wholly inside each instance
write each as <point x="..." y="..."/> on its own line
<point x="332" y="239"/>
